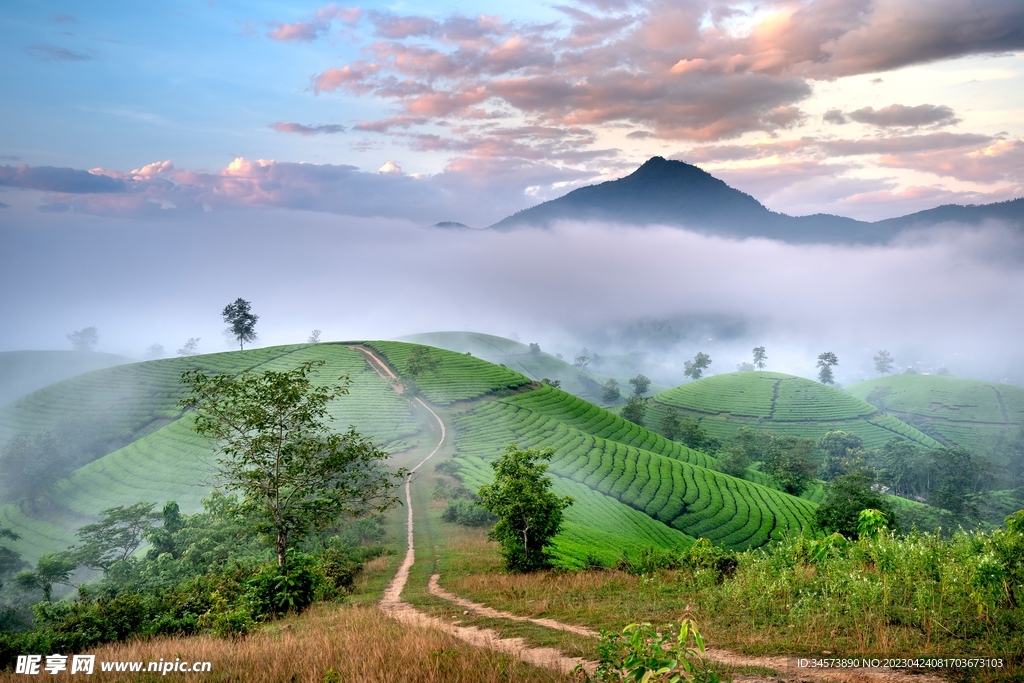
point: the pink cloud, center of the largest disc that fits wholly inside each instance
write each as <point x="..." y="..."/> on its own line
<point x="317" y="25"/>
<point x="321" y="129"/>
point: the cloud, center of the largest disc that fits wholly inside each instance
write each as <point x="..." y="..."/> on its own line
<point x="63" y="180"/>
<point x="55" y="53"/>
<point x="64" y="19"/>
<point x="901" y="116"/>
<point x="317" y="25"/>
<point x="903" y="144"/>
<point x="4" y="206"/>
<point x="321" y="129"/>
<point x="1000" y="160"/>
<point x="834" y="116"/>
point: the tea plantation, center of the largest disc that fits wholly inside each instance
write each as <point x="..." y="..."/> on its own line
<point x="783" y="404"/>
<point x="977" y="415"/>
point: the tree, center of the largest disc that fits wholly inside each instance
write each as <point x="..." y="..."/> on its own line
<point x="10" y="560"/>
<point x="241" y="321"/>
<point x="115" y="537"/>
<point x="826" y="361"/>
<point x="295" y="474"/>
<point x="30" y="464"/>
<point x="744" y="367"/>
<point x="634" y="410"/>
<point x="840" y="448"/>
<point x="845" y="497"/>
<point x="693" y="434"/>
<point x="190" y="347"/>
<point x="670" y="424"/>
<point x="695" y="369"/>
<point x="421" y="361"/>
<point x="611" y="392"/>
<point x="733" y="460"/>
<point x="760" y="356"/>
<point x="529" y="513"/>
<point x="956" y="474"/>
<point x="788" y="461"/>
<point x="883" y="362"/>
<point x="534" y="348"/>
<point x="583" y="359"/>
<point x="640" y="384"/>
<point x="155" y="351"/>
<point x="84" y="339"/>
<point x="314" y="337"/>
<point x="50" y="569"/>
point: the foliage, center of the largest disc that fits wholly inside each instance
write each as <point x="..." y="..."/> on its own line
<point x="883" y="362"/>
<point x="670" y="424"/>
<point x="10" y="560"/>
<point x="788" y="460"/>
<point x="295" y="474"/>
<point x="241" y="321"/>
<point x="190" y="348"/>
<point x="29" y="464"/>
<point x="634" y="410"/>
<point x="314" y="337"/>
<point x="529" y="513"/>
<point x="744" y="367"/>
<point x="826" y="361"/>
<point x="610" y="391"/>
<point x="846" y="497"/>
<point x="155" y="351"/>
<point x="640" y="384"/>
<point x="534" y="348"/>
<point x="50" y="569"/>
<point x="695" y="369"/>
<point x="467" y="513"/>
<point x="700" y="556"/>
<point x="421" y="361"/>
<point x="84" y="339"/>
<point x="760" y="356"/>
<point x="871" y="523"/>
<point x="642" y="653"/>
<point x="115" y="537"/>
<point x="840" y="448"/>
<point x="733" y="460"/>
<point x="692" y="433"/>
<point x="582" y="359"/>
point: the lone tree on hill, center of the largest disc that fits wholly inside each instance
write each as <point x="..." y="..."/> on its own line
<point x="84" y="339"/>
<point x="826" y="361"/>
<point x="529" y="513"/>
<point x="314" y="337"/>
<point x="883" y="362"/>
<point x="611" y="392"/>
<point x="695" y="369"/>
<point x="634" y="410"/>
<point x="295" y="474"/>
<point x="420" y="361"/>
<point x="641" y="383"/>
<point x="760" y="356"/>
<point x="583" y="359"/>
<point x="241" y="321"/>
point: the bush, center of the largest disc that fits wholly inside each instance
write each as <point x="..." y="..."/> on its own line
<point x="643" y="653"/>
<point x="467" y="513"/>
<point x="845" y="497"/>
<point x="274" y="593"/>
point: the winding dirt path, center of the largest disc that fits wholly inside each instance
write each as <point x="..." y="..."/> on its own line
<point x="392" y="604"/>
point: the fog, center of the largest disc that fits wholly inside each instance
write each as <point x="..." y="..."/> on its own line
<point x="950" y="297"/>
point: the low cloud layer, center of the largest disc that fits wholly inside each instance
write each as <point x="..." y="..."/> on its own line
<point x="946" y="299"/>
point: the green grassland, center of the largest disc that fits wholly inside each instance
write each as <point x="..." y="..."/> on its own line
<point x="782" y="404"/>
<point x="22" y="372"/>
<point x="974" y="414"/>
<point x="518" y="357"/>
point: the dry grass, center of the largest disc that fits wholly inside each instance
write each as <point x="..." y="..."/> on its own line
<point x="356" y="643"/>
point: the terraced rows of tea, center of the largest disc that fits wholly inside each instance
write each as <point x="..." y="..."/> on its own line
<point x="695" y="500"/>
<point x="782" y="404"/>
<point x="461" y="377"/>
<point x="974" y="414"/>
<point x="172" y="463"/>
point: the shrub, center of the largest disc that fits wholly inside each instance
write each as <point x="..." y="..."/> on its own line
<point x="467" y="513"/>
<point x="274" y="593"/>
<point x="643" y="653"/>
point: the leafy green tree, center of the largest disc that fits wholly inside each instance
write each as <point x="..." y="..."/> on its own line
<point x="50" y="569"/>
<point x="162" y="538"/>
<point x="788" y="460"/>
<point x="190" y="348"/>
<point x="421" y="361"/>
<point x="115" y="537"/>
<point x="846" y="497"/>
<point x="634" y="410"/>
<point x="554" y="383"/>
<point x="827" y="361"/>
<point x="760" y="356"/>
<point x="241" y="321"/>
<point x="840" y="448"/>
<point x="733" y="460"/>
<point x="295" y="474"/>
<point x="695" y="369"/>
<point x="640" y="384"/>
<point x="583" y="359"/>
<point x="529" y="513"/>
<point x="155" y="351"/>
<point x="611" y="392"/>
<point x="10" y="561"/>
<point x="744" y="367"/>
<point x="693" y="434"/>
<point x="956" y="474"/>
<point x="84" y="339"/>
<point x="883" y="362"/>
<point x="670" y="424"/>
<point x="30" y="464"/>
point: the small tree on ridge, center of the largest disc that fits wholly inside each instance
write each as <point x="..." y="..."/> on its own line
<point x="826" y="361"/>
<point x="241" y="321"/>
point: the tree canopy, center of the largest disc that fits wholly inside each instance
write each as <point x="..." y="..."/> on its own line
<point x="84" y="339"/>
<point x="695" y="369"/>
<point x="826" y="361"/>
<point x="241" y="321"/>
<point x="760" y="356"/>
<point x="883" y="362"/>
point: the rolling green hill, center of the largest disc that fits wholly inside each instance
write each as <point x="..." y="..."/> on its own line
<point x="977" y="415"/>
<point x="22" y="372"/>
<point x="518" y="357"/>
<point x="783" y="404"/>
<point x="633" y="488"/>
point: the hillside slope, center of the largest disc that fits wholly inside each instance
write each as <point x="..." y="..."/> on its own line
<point x="783" y="404"/>
<point x="977" y="415"/>
<point x="22" y="372"/>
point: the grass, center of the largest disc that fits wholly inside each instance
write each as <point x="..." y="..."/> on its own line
<point x="974" y="414"/>
<point x="780" y="403"/>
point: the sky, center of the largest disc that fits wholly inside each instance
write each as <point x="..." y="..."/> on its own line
<point x="158" y="160"/>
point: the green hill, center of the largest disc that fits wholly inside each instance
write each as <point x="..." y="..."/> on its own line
<point x="22" y="372"/>
<point x="783" y="404"/>
<point x="633" y="488"/>
<point x="977" y="415"/>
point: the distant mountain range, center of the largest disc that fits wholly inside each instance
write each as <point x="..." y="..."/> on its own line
<point x="676" y="193"/>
